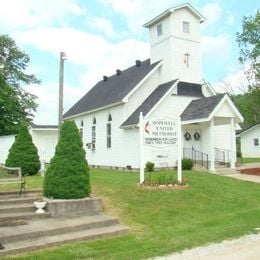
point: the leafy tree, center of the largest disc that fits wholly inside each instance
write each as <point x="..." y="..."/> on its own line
<point x="23" y="153"/>
<point x="68" y="174"/>
<point x="249" y="43"/>
<point x="249" y="106"/>
<point x="16" y="105"/>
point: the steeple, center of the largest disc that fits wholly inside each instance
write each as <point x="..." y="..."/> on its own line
<point x="175" y="38"/>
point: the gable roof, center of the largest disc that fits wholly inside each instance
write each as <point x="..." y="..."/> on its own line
<point x="113" y="90"/>
<point x="149" y="103"/>
<point x="201" y="108"/>
<point x="171" y="10"/>
<point x="248" y="129"/>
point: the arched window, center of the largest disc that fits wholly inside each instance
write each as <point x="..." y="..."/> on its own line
<point x="93" y="133"/>
<point x="81" y="128"/>
<point x="109" y="139"/>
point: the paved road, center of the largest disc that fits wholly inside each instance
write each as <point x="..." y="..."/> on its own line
<point x="244" y="248"/>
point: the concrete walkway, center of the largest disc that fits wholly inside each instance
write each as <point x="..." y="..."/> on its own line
<point x="244" y="248"/>
<point x="245" y="177"/>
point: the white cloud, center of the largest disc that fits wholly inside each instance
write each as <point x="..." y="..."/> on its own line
<point x="31" y="13"/>
<point x="235" y="82"/>
<point x="125" y="7"/>
<point x="230" y="19"/>
<point x="93" y="52"/>
<point x="216" y="49"/>
<point x="96" y="55"/>
<point x="47" y="111"/>
<point x="138" y="12"/>
<point x="212" y="11"/>
<point x="102" y="24"/>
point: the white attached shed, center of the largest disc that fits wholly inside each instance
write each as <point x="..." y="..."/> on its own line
<point x="250" y="141"/>
<point x="45" y="138"/>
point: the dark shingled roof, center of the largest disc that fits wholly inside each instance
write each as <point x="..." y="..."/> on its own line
<point x="149" y="103"/>
<point x="201" y="108"/>
<point x="189" y="89"/>
<point x="113" y="90"/>
<point x="43" y="126"/>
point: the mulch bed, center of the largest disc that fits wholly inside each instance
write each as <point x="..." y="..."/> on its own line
<point x="254" y="171"/>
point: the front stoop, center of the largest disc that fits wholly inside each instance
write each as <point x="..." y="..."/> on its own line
<point x="24" y="230"/>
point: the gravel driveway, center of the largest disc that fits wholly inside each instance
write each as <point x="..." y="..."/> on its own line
<point x="244" y="248"/>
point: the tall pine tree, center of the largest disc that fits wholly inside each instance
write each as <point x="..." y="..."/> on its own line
<point x="68" y="174"/>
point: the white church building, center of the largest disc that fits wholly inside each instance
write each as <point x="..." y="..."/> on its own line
<point x="168" y="85"/>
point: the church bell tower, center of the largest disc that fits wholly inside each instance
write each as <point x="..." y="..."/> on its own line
<point x="175" y="38"/>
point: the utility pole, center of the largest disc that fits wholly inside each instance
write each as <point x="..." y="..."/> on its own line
<point x="63" y="57"/>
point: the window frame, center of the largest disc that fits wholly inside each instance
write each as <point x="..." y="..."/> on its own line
<point x="256" y="142"/>
<point x="93" y="134"/>
<point x="185" y="27"/>
<point x="109" y="132"/>
<point x="159" y="30"/>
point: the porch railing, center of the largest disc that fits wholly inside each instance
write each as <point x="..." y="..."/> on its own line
<point x="197" y="157"/>
<point x="222" y="156"/>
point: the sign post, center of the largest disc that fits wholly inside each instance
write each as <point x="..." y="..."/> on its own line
<point x="179" y="173"/>
<point x="141" y="135"/>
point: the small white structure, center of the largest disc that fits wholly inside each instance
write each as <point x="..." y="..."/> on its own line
<point x="45" y="138"/>
<point x="169" y="84"/>
<point x="250" y="141"/>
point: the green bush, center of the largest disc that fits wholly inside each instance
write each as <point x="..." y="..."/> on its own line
<point x="23" y="153"/>
<point x="187" y="164"/>
<point x="68" y="174"/>
<point x="149" y="166"/>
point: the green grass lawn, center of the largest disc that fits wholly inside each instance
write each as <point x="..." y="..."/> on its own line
<point x="251" y="160"/>
<point x="211" y="209"/>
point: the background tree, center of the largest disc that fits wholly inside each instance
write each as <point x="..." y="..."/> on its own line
<point x="16" y="105"/>
<point x="249" y="43"/>
<point x="23" y="153"/>
<point x="68" y="174"/>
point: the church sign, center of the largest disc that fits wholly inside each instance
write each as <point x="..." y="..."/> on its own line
<point x="160" y="132"/>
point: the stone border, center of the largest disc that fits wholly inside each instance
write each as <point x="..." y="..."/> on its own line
<point x="163" y="187"/>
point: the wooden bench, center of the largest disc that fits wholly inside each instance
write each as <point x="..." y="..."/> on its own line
<point x="10" y="175"/>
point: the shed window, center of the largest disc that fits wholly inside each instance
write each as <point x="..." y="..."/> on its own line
<point x="186" y="27"/>
<point x="256" y="141"/>
<point x="159" y="30"/>
<point x="109" y="141"/>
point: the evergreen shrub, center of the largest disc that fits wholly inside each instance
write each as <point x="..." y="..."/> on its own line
<point x="23" y="153"/>
<point x="187" y="164"/>
<point x="149" y="166"/>
<point x="68" y="174"/>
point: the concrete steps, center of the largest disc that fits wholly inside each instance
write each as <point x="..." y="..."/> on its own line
<point x="47" y="241"/>
<point x="21" y="229"/>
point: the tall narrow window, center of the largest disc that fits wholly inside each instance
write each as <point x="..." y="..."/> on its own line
<point x="93" y="134"/>
<point x="81" y="129"/>
<point x="256" y="141"/>
<point x="159" y="30"/>
<point x="186" y="27"/>
<point x="109" y="141"/>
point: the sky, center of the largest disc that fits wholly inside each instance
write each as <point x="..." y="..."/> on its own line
<point x="100" y="36"/>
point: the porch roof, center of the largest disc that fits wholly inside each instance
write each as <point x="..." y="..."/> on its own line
<point x="204" y="109"/>
<point x="201" y="108"/>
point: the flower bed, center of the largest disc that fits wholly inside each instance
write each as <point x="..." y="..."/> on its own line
<point x="254" y="171"/>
